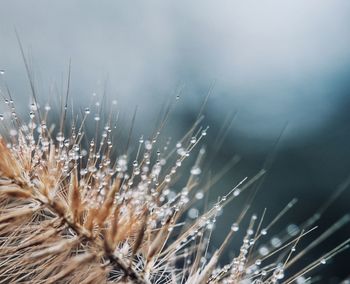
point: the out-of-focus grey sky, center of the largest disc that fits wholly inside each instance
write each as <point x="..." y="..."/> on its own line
<point x="272" y="61"/>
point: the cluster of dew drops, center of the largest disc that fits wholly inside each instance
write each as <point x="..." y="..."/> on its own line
<point x="148" y="175"/>
<point x="98" y="163"/>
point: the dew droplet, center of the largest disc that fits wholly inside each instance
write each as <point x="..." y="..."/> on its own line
<point x="301" y="280"/>
<point x="60" y="137"/>
<point x="199" y="195"/>
<point x="34" y="106"/>
<point x="276" y="242"/>
<point x="279" y="274"/>
<point x="167" y="178"/>
<point x="263" y="250"/>
<point x="234" y="227"/>
<point x="292" y="229"/>
<point x="193" y="213"/>
<point x="196" y="171"/>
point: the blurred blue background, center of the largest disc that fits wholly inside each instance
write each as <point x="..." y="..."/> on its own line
<point x="271" y="63"/>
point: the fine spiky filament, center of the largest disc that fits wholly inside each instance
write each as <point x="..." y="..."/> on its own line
<point x="72" y="211"/>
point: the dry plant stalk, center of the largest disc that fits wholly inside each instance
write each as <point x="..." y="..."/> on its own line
<point x="69" y="215"/>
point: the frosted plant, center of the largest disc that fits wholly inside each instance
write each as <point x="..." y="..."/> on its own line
<point x="72" y="211"/>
